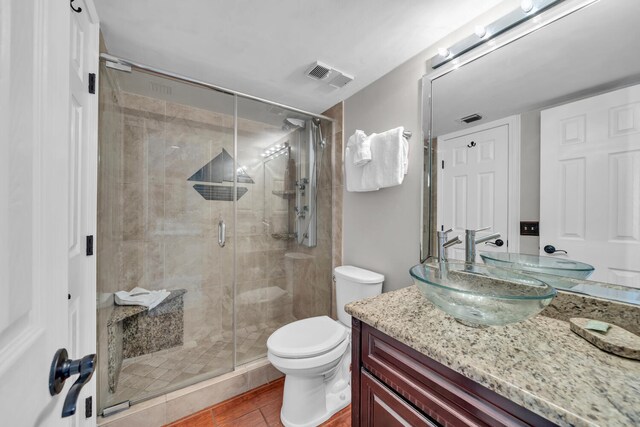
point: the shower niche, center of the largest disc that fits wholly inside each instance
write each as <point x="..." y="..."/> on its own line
<point x="219" y="197"/>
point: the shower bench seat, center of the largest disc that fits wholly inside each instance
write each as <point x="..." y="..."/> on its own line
<point x="133" y="331"/>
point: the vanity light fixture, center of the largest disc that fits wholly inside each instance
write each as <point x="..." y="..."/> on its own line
<point x="527" y="10"/>
<point x="443" y="52"/>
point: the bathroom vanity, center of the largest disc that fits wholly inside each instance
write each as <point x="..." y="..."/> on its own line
<point x="414" y="365"/>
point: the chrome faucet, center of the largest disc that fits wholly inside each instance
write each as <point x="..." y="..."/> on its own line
<point x="470" y="243"/>
<point x="443" y="244"/>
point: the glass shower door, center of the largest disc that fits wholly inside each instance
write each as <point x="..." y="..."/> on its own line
<point x="166" y="193"/>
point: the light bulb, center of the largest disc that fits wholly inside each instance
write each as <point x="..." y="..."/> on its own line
<point x="526" y="5"/>
<point x="444" y="52"/>
<point x="480" y="31"/>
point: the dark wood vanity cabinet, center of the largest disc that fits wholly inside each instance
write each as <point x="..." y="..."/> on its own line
<point x="394" y="385"/>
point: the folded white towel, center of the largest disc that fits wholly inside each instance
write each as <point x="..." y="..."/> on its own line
<point x="361" y="148"/>
<point x="141" y="296"/>
<point x="390" y="160"/>
<point x="354" y="174"/>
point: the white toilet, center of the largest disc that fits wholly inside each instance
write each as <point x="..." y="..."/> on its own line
<point x="315" y="354"/>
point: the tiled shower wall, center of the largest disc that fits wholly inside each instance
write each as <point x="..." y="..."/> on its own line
<point x="337" y="184"/>
<point x="311" y="269"/>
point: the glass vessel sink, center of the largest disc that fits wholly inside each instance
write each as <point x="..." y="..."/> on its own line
<point x="538" y="264"/>
<point x="481" y="295"/>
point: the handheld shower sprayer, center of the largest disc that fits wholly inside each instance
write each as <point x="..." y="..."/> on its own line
<point x="321" y="141"/>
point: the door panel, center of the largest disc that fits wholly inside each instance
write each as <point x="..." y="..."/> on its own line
<point x="474" y="184"/>
<point x="34" y="52"/>
<point x="572" y="209"/>
<point x="590" y="183"/>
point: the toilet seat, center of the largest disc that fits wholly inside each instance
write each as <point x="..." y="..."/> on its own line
<point x="307" y="338"/>
<point x="314" y="365"/>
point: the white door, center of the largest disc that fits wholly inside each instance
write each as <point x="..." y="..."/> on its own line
<point x="35" y="204"/>
<point x="590" y="183"/>
<point x="473" y="185"/>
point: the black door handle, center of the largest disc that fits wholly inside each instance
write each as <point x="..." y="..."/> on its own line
<point x="498" y="243"/>
<point x="550" y="249"/>
<point x="62" y="368"/>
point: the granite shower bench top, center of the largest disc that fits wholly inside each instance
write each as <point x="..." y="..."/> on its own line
<point x="121" y="312"/>
<point x="539" y="363"/>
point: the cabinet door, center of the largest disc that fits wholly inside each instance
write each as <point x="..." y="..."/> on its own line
<point x="381" y="407"/>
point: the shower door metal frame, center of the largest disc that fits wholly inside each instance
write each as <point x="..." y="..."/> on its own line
<point x="122" y="63"/>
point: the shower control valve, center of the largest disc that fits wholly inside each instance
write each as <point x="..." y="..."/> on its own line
<point x="301" y="213"/>
<point x="302" y="184"/>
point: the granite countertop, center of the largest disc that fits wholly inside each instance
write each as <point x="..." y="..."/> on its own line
<point x="539" y="363"/>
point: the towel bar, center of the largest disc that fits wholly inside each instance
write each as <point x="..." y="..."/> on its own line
<point x="407" y="134"/>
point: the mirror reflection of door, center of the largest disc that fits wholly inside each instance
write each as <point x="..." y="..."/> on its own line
<point x="474" y="184"/>
<point x="590" y="177"/>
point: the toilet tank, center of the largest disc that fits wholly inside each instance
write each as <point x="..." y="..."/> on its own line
<point x="353" y="284"/>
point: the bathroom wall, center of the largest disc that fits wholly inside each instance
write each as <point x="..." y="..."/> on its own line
<point x="382" y="228"/>
<point x="530" y="177"/>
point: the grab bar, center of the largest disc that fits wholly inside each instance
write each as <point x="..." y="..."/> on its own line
<point x="222" y="231"/>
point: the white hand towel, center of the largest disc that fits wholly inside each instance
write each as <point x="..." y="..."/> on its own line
<point x="361" y="149"/>
<point x="141" y="296"/>
<point x="389" y="164"/>
<point x="353" y="173"/>
<point x="405" y="153"/>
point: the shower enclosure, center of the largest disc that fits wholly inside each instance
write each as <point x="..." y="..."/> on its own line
<point x="222" y="199"/>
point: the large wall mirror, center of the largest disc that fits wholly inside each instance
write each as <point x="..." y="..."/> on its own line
<point x="539" y="140"/>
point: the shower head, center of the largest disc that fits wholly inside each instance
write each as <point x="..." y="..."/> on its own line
<point x="291" y="123"/>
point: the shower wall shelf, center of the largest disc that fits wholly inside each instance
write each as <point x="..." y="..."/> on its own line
<point x="287" y="194"/>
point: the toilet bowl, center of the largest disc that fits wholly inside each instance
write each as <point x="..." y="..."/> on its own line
<point x="315" y="354"/>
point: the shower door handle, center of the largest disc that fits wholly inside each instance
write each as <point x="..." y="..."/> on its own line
<point x="222" y="233"/>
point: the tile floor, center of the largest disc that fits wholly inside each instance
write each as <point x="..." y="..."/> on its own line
<point x="204" y="357"/>
<point x="259" y="407"/>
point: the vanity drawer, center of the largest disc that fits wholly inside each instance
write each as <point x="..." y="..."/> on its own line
<point x="444" y="395"/>
<point x="385" y="408"/>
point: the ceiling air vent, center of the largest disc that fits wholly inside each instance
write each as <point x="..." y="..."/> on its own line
<point x="472" y="118"/>
<point x="340" y="80"/>
<point x="318" y="71"/>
